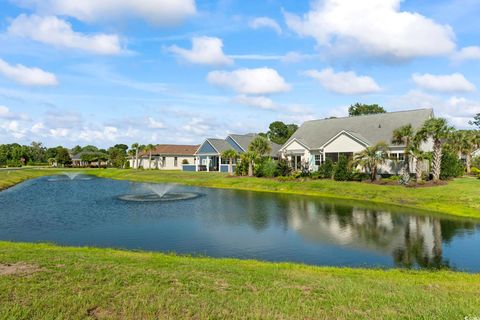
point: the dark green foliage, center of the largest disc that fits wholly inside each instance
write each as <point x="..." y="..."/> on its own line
<point x="283" y="168"/>
<point x="63" y="157"/>
<point x="359" y="109"/>
<point x="325" y="171"/>
<point x="266" y="167"/>
<point x="117" y="157"/>
<point x="342" y="170"/>
<point x="280" y="132"/>
<point x="241" y="169"/>
<point x="451" y="166"/>
<point x="476" y="162"/>
<point x="476" y="120"/>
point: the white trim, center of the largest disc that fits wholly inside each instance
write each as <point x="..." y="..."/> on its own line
<point x="290" y="142"/>
<point x="238" y="144"/>
<point x="204" y="154"/>
<point x="348" y="134"/>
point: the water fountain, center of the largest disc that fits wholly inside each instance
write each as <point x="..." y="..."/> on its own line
<point x="159" y="192"/>
<point x="71" y="175"/>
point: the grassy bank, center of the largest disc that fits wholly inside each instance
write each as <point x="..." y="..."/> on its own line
<point x="40" y="281"/>
<point x="459" y="198"/>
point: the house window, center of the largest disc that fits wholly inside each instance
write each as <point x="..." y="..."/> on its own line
<point x="318" y="159"/>
<point x="175" y="162"/>
<point x="401" y="156"/>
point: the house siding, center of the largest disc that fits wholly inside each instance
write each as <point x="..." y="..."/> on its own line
<point x="207" y="148"/>
<point x="234" y="145"/>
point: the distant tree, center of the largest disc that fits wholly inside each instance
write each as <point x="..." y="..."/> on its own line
<point x="116" y="157"/>
<point x="63" y="157"/>
<point x="38" y="152"/>
<point x="150" y="148"/>
<point x="438" y="130"/>
<point x="135" y="149"/>
<point x="249" y="157"/>
<point x="260" y="146"/>
<point x="89" y="148"/>
<point x="76" y="150"/>
<point x="280" y="132"/>
<point x="359" y="109"/>
<point x="476" y="120"/>
<point x="230" y="154"/>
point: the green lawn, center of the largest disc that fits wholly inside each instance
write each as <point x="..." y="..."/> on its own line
<point x="460" y="197"/>
<point x="77" y="283"/>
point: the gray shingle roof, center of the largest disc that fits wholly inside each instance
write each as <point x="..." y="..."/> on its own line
<point x="219" y="144"/>
<point x="244" y="141"/>
<point x="369" y="128"/>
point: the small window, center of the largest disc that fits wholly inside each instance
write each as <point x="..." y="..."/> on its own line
<point x="175" y="162"/>
<point x="401" y="156"/>
<point x="318" y="159"/>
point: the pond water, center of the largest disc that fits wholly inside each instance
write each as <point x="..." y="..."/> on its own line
<point x="90" y="211"/>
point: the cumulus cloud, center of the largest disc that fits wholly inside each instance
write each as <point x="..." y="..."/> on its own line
<point x="205" y="50"/>
<point x="443" y="83"/>
<point x="265" y="22"/>
<point x="27" y="76"/>
<point x="376" y="27"/>
<point x="155" y="124"/>
<point x="258" y="81"/>
<point x="59" y="33"/>
<point x="197" y="126"/>
<point x="344" y="82"/>
<point x="255" y="101"/>
<point x="160" y="12"/>
<point x="467" y="53"/>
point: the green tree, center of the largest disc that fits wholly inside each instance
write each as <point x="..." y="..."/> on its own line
<point x="405" y="136"/>
<point x="121" y="146"/>
<point x="89" y="148"/>
<point x="38" y="152"/>
<point x="230" y="154"/>
<point x="249" y="157"/>
<point x="372" y="157"/>
<point x="342" y="171"/>
<point x="359" y="109"/>
<point x="135" y="148"/>
<point x="150" y="148"/>
<point x="438" y="130"/>
<point x="260" y="146"/>
<point x="63" y="157"/>
<point x="476" y="120"/>
<point x="280" y="132"/>
<point x="116" y="157"/>
<point x="76" y="150"/>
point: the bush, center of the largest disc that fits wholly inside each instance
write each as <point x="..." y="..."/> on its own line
<point x="14" y="164"/>
<point x="360" y="176"/>
<point x="266" y="168"/>
<point x="476" y="172"/>
<point x="476" y="162"/>
<point x="342" y="171"/>
<point x="451" y="166"/>
<point x="283" y="168"/>
<point x="126" y="165"/>
<point x="185" y="161"/>
<point x="241" y="169"/>
<point x="325" y="171"/>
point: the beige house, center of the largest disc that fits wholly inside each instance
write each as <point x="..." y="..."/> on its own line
<point x="318" y="140"/>
<point x="166" y="157"/>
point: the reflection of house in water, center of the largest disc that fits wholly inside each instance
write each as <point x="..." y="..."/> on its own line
<point x="411" y="240"/>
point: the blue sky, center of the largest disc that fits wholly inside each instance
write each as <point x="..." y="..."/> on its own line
<point x="177" y="71"/>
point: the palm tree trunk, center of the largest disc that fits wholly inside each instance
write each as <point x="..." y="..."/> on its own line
<point x="136" y="158"/>
<point x="406" y="169"/>
<point x="418" y="170"/>
<point x="250" y="168"/>
<point x="469" y="162"/>
<point x="374" y="173"/>
<point x="437" y="160"/>
<point x="150" y="159"/>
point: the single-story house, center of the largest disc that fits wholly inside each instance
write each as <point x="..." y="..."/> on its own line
<point x="78" y="162"/>
<point x="209" y="154"/>
<point x="166" y="157"/>
<point x="318" y="140"/>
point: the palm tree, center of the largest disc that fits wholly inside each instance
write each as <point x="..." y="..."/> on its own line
<point x="141" y="148"/>
<point x="150" y="147"/>
<point x="250" y="157"/>
<point x="372" y="157"/>
<point x="419" y="156"/>
<point x="135" y="148"/>
<point x="132" y="153"/>
<point x="438" y="130"/>
<point x="260" y="146"/>
<point x="230" y="154"/>
<point x="405" y="136"/>
<point x="470" y="143"/>
<point x="455" y="142"/>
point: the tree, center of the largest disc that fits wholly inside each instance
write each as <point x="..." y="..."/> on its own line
<point x="405" y="136"/>
<point x="89" y="148"/>
<point x="438" y="130"/>
<point x="38" y="152"/>
<point x="150" y="148"/>
<point x="342" y="171"/>
<point x="250" y="157"/>
<point x="371" y="157"/>
<point x="230" y="154"/>
<point x="280" y="132"/>
<point x="121" y="146"/>
<point x="63" y="157"/>
<point x="76" y="150"/>
<point x="476" y="120"/>
<point x="260" y="146"/>
<point x="116" y="157"/>
<point x="135" y="147"/>
<point x="359" y="109"/>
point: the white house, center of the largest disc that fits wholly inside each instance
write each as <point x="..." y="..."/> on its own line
<point x="166" y="157"/>
<point x="318" y="140"/>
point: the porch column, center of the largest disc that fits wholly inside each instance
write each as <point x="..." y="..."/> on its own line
<point x="208" y="163"/>
<point x="196" y="160"/>
<point x="219" y="163"/>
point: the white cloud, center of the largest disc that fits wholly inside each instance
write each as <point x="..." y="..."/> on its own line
<point x="197" y="126"/>
<point x="59" y="33"/>
<point x="255" y="101"/>
<point x="205" y="50"/>
<point x="376" y="27"/>
<point x="154" y="124"/>
<point x="250" y="81"/>
<point x="161" y="12"/>
<point x="467" y="53"/>
<point x="455" y="82"/>
<point x="5" y="113"/>
<point x="344" y="82"/>
<point x="265" y="22"/>
<point x="27" y="76"/>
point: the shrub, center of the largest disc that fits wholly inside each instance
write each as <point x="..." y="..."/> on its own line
<point x="476" y="162"/>
<point x="342" y="171"/>
<point x="14" y="163"/>
<point x="185" y="161"/>
<point x="266" y="168"/>
<point x="451" y="166"/>
<point x="126" y="165"/>
<point x="476" y="172"/>
<point x="241" y="169"/>
<point x="359" y="176"/>
<point x="283" y="168"/>
<point x="325" y="171"/>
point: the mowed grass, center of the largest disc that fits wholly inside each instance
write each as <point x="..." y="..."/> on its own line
<point x="77" y="283"/>
<point x="11" y="177"/>
<point x="460" y="197"/>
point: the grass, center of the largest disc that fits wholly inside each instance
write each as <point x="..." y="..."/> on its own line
<point x="460" y="197"/>
<point x="77" y="283"/>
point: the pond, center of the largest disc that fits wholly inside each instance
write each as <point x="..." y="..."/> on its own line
<point x="87" y="211"/>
